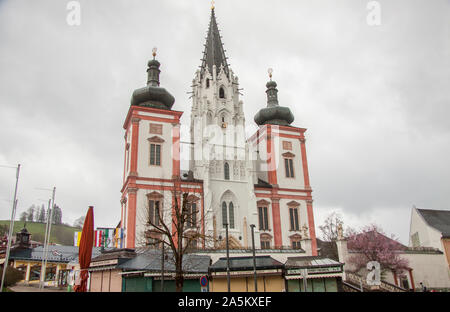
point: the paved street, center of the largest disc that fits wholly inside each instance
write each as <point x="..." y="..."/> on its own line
<point x="23" y="288"/>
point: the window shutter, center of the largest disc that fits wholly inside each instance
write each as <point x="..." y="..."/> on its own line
<point x="266" y="219"/>
<point x="151" y="211"/>
<point x="152" y="154"/>
<point x="291" y="217"/>
<point x="158" y="155"/>
<point x="157" y="212"/>
<point x="291" y="167"/>
<point x="194" y="214"/>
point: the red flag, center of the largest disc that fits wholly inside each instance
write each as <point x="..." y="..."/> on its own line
<point x="85" y="249"/>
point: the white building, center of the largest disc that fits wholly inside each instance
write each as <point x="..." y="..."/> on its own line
<point x="427" y="253"/>
<point x="234" y="180"/>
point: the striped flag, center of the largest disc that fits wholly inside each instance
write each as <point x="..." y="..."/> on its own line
<point x="76" y="238"/>
<point x="97" y="238"/>
<point x="118" y="237"/>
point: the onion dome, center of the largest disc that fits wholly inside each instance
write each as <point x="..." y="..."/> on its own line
<point x="273" y="114"/>
<point x="153" y="95"/>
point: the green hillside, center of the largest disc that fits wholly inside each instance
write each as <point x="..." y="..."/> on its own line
<point x="61" y="234"/>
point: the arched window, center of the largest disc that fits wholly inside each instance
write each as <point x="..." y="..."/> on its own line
<point x="231" y="215"/>
<point x="226" y="169"/>
<point x="207" y="82"/>
<point x="224" y="214"/>
<point x="265" y="241"/>
<point x="221" y="93"/>
<point x="296" y="241"/>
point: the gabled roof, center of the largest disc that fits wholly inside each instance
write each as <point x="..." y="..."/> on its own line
<point x="438" y="219"/>
<point x="214" y="54"/>
<point x="397" y="245"/>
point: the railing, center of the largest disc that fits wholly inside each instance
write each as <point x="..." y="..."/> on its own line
<point x="384" y="286"/>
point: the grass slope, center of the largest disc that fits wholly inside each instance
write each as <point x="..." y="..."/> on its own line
<point x="61" y="234"/>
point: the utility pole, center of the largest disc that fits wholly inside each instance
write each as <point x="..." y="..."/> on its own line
<point x="254" y="257"/>
<point x="45" y="243"/>
<point x="11" y="229"/>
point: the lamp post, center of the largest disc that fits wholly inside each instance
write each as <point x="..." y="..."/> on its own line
<point x="228" y="256"/>
<point x="254" y="257"/>
<point x="11" y="229"/>
<point x="162" y="266"/>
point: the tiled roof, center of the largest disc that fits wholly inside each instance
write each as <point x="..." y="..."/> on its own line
<point x="438" y="219"/>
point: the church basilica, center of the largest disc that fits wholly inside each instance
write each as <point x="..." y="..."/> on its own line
<point x="234" y="181"/>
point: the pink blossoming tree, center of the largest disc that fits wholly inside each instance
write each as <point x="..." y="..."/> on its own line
<point x="371" y="244"/>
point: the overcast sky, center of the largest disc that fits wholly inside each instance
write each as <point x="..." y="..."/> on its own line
<point x="375" y="99"/>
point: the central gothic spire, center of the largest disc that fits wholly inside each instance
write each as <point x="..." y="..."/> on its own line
<point x="214" y="53"/>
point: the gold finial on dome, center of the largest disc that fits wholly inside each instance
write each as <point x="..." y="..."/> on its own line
<point x="212" y="4"/>
<point x="270" y="71"/>
<point x="154" y="52"/>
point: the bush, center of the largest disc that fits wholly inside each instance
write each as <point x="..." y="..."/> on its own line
<point x="12" y="276"/>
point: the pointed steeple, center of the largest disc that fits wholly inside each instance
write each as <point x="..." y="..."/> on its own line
<point x="214" y="53"/>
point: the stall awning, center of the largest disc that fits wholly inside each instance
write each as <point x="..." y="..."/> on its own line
<point x="290" y="277"/>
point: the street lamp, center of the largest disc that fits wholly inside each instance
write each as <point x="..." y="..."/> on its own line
<point x="228" y="255"/>
<point x="254" y="257"/>
<point x="162" y="265"/>
<point x="11" y="227"/>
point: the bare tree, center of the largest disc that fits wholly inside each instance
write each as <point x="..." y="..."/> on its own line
<point x="30" y="213"/>
<point x="79" y="222"/>
<point x="179" y="228"/>
<point x="331" y="225"/>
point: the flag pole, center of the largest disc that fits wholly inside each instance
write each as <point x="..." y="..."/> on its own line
<point x="48" y="238"/>
<point x="11" y="229"/>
